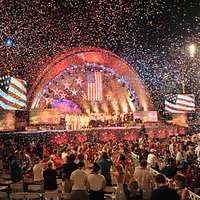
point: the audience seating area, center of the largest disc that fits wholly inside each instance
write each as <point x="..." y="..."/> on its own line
<point x="19" y="191"/>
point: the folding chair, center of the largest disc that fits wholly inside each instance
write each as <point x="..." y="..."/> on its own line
<point x="35" y="188"/>
<point x="6" y="176"/>
<point x="33" y="196"/>
<point x="108" y="197"/>
<point x="17" y="187"/>
<point x="65" y="196"/>
<point x="17" y="196"/>
<point x="60" y="185"/>
<point x="51" y="195"/>
<point x="3" y="196"/>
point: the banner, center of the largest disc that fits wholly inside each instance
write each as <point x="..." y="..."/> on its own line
<point x="146" y="116"/>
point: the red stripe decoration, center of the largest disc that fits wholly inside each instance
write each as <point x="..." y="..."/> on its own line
<point x="94" y="86"/>
<point x="11" y="104"/>
<point x="17" y="88"/>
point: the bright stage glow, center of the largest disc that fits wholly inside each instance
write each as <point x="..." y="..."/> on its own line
<point x="192" y="50"/>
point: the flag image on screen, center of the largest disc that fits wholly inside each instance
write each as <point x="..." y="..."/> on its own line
<point x="94" y="86"/>
<point x="180" y="103"/>
<point x="13" y="93"/>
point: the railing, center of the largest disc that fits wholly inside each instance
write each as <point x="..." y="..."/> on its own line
<point x="192" y="195"/>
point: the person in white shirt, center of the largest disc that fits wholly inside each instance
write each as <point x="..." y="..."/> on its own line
<point x="64" y="155"/>
<point x="180" y="154"/>
<point x="152" y="159"/>
<point x="79" y="183"/>
<point x="97" y="183"/>
<point x="38" y="169"/>
<point x="197" y="151"/>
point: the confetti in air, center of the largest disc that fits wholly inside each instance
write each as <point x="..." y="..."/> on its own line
<point x="150" y="35"/>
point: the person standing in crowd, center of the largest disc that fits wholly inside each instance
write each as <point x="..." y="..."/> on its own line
<point x="97" y="182"/>
<point x="79" y="183"/>
<point x="163" y="192"/>
<point x="170" y="169"/>
<point x="197" y="151"/>
<point x="67" y="170"/>
<point x="15" y="167"/>
<point x="152" y="159"/>
<point x="133" y="192"/>
<point x="120" y="177"/>
<point x="172" y="147"/>
<point x="64" y="154"/>
<point x="191" y="156"/>
<point x="50" y="175"/>
<point x="105" y="165"/>
<point x="144" y="178"/>
<point x="142" y="132"/>
<point x="180" y="187"/>
<point x="180" y="154"/>
<point x="54" y="157"/>
<point x="38" y="169"/>
<point x="39" y="150"/>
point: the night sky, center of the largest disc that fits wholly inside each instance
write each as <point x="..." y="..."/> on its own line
<point x="151" y="35"/>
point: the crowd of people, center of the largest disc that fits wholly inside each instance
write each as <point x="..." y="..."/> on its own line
<point x="87" y="168"/>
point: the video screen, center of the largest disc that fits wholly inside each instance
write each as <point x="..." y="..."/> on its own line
<point x="46" y="116"/>
<point x="13" y="93"/>
<point x="180" y="103"/>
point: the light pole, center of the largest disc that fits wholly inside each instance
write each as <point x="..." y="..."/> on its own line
<point x="192" y="51"/>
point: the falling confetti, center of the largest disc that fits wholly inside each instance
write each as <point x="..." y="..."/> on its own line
<point x="150" y="35"/>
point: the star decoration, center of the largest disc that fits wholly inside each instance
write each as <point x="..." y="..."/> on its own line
<point x="66" y="85"/>
<point x="79" y="81"/>
<point x="48" y="100"/>
<point x="74" y="92"/>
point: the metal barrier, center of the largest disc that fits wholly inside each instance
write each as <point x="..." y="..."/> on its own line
<point x="192" y="195"/>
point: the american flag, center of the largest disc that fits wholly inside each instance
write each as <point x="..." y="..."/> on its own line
<point x="12" y="93"/>
<point x="180" y="103"/>
<point x="94" y="86"/>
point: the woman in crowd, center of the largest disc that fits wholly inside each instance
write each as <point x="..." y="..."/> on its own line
<point x="133" y="192"/>
<point x="180" y="187"/>
<point x="120" y="177"/>
<point x="97" y="183"/>
<point x="79" y="183"/>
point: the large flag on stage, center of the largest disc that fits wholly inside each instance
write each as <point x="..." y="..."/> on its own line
<point x="180" y="103"/>
<point x="94" y="86"/>
<point x="13" y="93"/>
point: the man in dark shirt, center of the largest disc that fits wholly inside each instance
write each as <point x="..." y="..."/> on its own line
<point x="50" y="175"/>
<point x="170" y="169"/>
<point x="105" y="164"/>
<point x="163" y="192"/>
<point x="67" y="169"/>
<point x="16" y="170"/>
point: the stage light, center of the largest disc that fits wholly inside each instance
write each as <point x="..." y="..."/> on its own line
<point x="192" y="50"/>
<point x="87" y="111"/>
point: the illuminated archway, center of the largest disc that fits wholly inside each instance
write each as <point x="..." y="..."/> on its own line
<point x="77" y="56"/>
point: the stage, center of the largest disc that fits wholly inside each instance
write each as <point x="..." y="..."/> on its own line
<point x="100" y="134"/>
